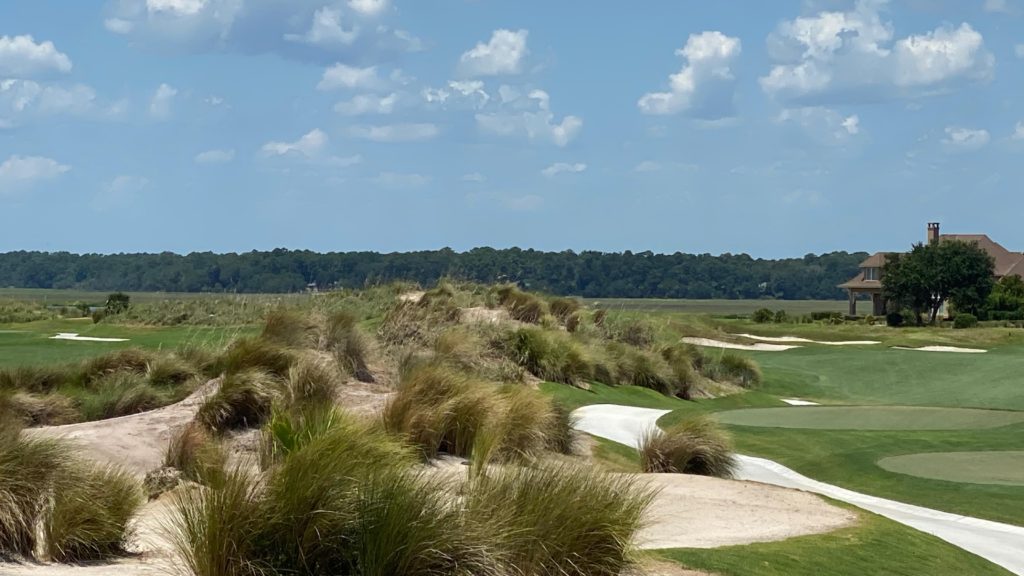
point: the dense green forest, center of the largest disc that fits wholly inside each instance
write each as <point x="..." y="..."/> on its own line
<point x="587" y="274"/>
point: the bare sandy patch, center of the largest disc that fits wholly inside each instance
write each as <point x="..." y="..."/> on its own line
<point x="954" y="349"/>
<point x="481" y="315"/>
<point x="74" y="336"/>
<point x="708" y="342"/>
<point x="790" y="339"/>
<point x="413" y="297"/>
<point x="799" y="402"/>
<point x="701" y="512"/>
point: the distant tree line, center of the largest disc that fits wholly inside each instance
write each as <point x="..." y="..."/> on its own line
<point x="586" y="274"/>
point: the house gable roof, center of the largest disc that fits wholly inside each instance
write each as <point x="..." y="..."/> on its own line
<point x="1006" y="261"/>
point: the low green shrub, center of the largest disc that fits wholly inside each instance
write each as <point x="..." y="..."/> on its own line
<point x="762" y="316"/>
<point x="739" y="370"/>
<point x="695" y="446"/>
<point x="521" y="306"/>
<point x="894" y="319"/>
<point x="964" y="320"/>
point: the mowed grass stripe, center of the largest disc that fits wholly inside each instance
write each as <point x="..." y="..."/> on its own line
<point x="998" y="467"/>
<point x="871" y="418"/>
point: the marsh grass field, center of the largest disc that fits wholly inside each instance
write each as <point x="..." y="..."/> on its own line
<point x="885" y="404"/>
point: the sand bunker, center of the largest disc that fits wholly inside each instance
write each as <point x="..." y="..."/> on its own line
<point x="482" y="315"/>
<point x="943" y="349"/>
<point x="733" y="346"/>
<point x="808" y="341"/>
<point x="701" y="512"/>
<point x="799" y="402"/>
<point x="76" y="337"/>
<point x="413" y="297"/>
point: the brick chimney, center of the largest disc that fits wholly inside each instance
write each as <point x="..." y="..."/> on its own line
<point x="933" y="232"/>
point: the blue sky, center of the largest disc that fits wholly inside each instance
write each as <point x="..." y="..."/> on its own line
<point x="771" y="128"/>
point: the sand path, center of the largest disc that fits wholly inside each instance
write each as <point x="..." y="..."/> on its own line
<point x="759" y="347"/>
<point x="1002" y="544"/>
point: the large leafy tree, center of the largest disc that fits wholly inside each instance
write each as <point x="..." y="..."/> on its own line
<point x="932" y="274"/>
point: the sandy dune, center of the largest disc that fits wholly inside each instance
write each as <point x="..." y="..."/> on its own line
<point x="799" y="402"/>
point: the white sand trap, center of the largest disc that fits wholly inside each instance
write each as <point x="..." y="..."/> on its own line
<point x="701" y="512"/>
<point x="480" y="315"/>
<point x="807" y="341"/>
<point x="799" y="402"/>
<point x="76" y="337"/>
<point x="733" y="346"/>
<point x="943" y="349"/>
<point x="413" y="297"/>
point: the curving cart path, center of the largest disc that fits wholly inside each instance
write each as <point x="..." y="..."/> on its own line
<point x="1001" y="544"/>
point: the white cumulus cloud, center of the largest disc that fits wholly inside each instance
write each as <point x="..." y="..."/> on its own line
<point x="1019" y="50"/>
<point x="186" y="7"/>
<point x="364" y="104"/>
<point x="959" y="138"/>
<point x="502" y="54"/>
<point x="22" y="56"/>
<point x="350" y="77"/>
<point x="529" y="116"/>
<point x="705" y="85"/>
<point x="22" y="171"/>
<point x="563" y="168"/>
<point x="118" y="25"/>
<point x="823" y="125"/>
<point x="309" y="145"/>
<point x="160" y="103"/>
<point x="216" y="156"/>
<point x="854" y="55"/>
<point x="368" y="7"/>
<point x="326" y="30"/>
<point x="395" y="132"/>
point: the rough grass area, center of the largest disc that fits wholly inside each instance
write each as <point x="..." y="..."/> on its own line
<point x="871" y="418"/>
<point x="1006" y="467"/>
<point x="874" y="546"/>
<point x="694" y="446"/>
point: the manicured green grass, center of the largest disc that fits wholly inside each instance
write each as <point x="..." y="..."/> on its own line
<point x="30" y="344"/>
<point x="718" y="307"/>
<point x="1005" y="467"/>
<point x="872" y="418"/>
<point x="874" y="546"/>
<point x="573" y="398"/>
<point x="615" y="457"/>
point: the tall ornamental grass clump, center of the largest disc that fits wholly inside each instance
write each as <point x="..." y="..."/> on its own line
<point x="557" y="520"/>
<point x="547" y="355"/>
<point x="70" y="510"/>
<point x="696" y="446"/>
<point x="244" y="400"/>
<point x="521" y="306"/>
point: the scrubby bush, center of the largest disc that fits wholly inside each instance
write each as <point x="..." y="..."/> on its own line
<point x="634" y="367"/>
<point x="243" y="400"/>
<point x="780" y="317"/>
<point x="633" y="331"/>
<point x="762" y="316"/>
<point x="117" y="303"/>
<point x="964" y="320"/>
<point x="573" y="322"/>
<point x="894" y="319"/>
<point x="695" y="446"/>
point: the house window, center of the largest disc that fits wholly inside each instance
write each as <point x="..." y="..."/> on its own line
<point x="872" y="274"/>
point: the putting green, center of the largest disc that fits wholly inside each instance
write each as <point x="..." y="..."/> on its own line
<point x="871" y="418"/>
<point x="1006" y="468"/>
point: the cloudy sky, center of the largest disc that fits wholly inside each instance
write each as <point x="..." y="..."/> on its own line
<point x="772" y="128"/>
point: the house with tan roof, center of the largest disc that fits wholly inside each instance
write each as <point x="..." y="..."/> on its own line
<point x="869" y="280"/>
